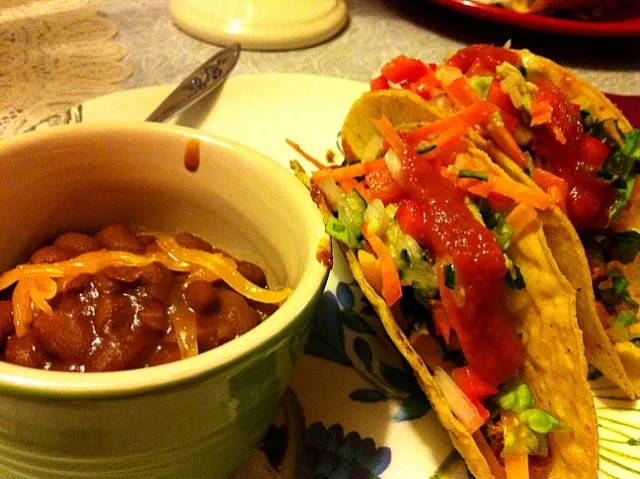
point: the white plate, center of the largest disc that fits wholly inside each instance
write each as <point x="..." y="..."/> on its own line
<point x="342" y="416"/>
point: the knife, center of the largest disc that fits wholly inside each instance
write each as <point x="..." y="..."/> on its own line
<point x="204" y="80"/>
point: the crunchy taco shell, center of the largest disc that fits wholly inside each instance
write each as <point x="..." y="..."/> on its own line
<point x="619" y="362"/>
<point x="399" y="106"/>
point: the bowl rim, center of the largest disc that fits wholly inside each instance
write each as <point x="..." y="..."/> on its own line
<point x="38" y="383"/>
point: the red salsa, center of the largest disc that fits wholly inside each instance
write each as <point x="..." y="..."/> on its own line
<point x="438" y="218"/>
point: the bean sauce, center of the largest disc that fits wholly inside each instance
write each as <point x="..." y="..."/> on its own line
<point x="120" y="317"/>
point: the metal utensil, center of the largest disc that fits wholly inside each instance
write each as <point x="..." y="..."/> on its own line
<point x="205" y="79"/>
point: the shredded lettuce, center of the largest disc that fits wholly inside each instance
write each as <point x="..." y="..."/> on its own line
<point x="337" y="230"/>
<point x="514" y="396"/>
<point x="539" y="421"/>
<point x="621" y="167"/>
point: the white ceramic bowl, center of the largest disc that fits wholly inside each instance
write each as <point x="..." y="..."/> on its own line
<point x="198" y="417"/>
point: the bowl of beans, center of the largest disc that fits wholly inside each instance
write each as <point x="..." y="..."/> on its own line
<point x="156" y="290"/>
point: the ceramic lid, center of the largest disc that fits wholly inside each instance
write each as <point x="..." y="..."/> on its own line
<point x="261" y="24"/>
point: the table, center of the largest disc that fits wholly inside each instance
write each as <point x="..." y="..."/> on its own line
<point x="378" y="30"/>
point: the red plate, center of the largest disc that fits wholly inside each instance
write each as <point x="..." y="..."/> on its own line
<point x="624" y="24"/>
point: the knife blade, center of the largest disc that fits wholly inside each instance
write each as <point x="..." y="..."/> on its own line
<point x="201" y="82"/>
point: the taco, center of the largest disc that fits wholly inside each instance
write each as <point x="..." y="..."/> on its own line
<point x="564" y="136"/>
<point x="450" y="251"/>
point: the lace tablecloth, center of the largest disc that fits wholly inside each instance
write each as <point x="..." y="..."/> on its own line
<point x="53" y="54"/>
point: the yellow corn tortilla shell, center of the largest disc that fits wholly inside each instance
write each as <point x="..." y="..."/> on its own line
<point x="621" y="362"/>
<point x="399" y="106"/>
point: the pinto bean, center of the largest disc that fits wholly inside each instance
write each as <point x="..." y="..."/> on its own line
<point x="113" y="313"/>
<point x="153" y="314"/>
<point x="200" y="295"/>
<point x="25" y="351"/>
<point x="77" y="243"/>
<point x="232" y="317"/>
<point x="187" y="240"/>
<point x="165" y="353"/>
<point x="124" y="350"/>
<point x="119" y="238"/>
<point x="252" y="272"/>
<point x="125" y="274"/>
<point x="50" y="254"/>
<point x="156" y="279"/>
<point x="65" y="334"/>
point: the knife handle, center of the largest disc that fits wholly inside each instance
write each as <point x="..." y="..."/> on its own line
<point x="204" y="79"/>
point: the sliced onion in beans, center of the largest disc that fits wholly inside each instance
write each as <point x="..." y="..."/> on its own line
<point x="460" y="404"/>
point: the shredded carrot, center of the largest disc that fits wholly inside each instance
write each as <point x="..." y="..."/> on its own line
<point x="391" y="287"/>
<point x="347" y="172"/>
<point x="499" y="133"/>
<point x="391" y="136"/>
<point x="371" y="269"/>
<point x="520" y="218"/>
<point x="305" y="155"/>
<point x="496" y="468"/>
<point x="520" y="193"/>
<point x="349" y="184"/>
<point x="461" y="92"/>
<point x="470" y="116"/>
<point x="556" y="186"/>
<point x="516" y="466"/>
<point x="446" y="141"/>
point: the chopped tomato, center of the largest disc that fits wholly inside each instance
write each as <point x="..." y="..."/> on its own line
<point x="472" y="385"/>
<point x="574" y="157"/>
<point x="594" y="152"/>
<point x="500" y="99"/>
<point x="588" y="204"/>
<point x="404" y="69"/>
<point x="426" y="85"/>
<point x="461" y="92"/>
<point x="482" y="59"/>
<point x="382" y="186"/>
<point x="378" y="83"/>
<point x="564" y="125"/>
